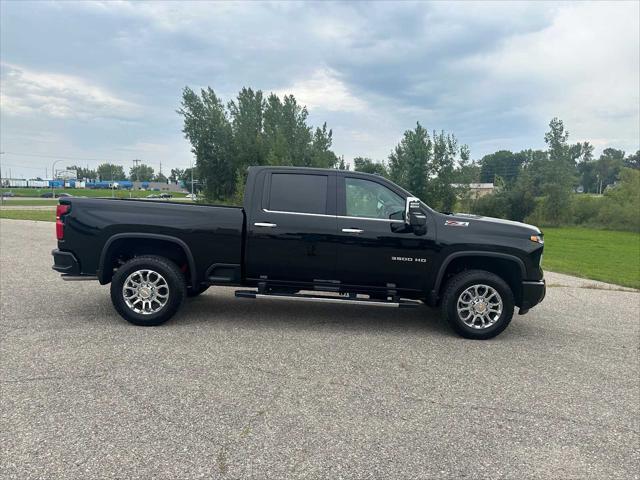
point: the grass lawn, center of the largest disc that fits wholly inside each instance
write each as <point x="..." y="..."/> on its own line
<point x="41" y="215"/>
<point x="86" y="192"/>
<point x="30" y="203"/>
<point x="604" y="255"/>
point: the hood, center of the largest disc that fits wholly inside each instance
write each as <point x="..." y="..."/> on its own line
<point x="488" y="221"/>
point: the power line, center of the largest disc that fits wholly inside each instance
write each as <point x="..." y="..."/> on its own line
<point x="92" y="159"/>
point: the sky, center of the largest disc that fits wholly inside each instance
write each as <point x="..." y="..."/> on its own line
<point x="90" y="82"/>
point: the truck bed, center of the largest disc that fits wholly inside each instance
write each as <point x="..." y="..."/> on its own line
<point x="212" y="234"/>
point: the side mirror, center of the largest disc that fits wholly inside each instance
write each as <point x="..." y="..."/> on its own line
<point x="413" y="215"/>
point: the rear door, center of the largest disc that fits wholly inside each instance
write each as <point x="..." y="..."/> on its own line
<point x="291" y="230"/>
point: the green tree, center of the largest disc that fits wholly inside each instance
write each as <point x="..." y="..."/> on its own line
<point x="321" y="154"/>
<point x="251" y="130"/>
<point x="208" y="129"/>
<point x="367" y="165"/>
<point x="440" y="193"/>
<point x="559" y="174"/>
<point x="410" y="163"/>
<point x="84" y="172"/>
<point x="176" y="175"/>
<point x="141" y="173"/>
<point x="633" y="161"/>
<point x="586" y="167"/>
<point x="109" y="171"/>
<point x="424" y="165"/>
<point x="608" y="167"/>
<point x="342" y="165"/>
<point x="187" y="178"/>
<point x="160" y="178"/>
<point x="621" y="207"/>
<point x="503" y="163"/>
<point x="287" y="135"/>
<point x="247" y="113"/>
<point x="466" y="171"/>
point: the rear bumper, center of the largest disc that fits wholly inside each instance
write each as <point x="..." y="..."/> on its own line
<point x="65" y="263"/>
<point x="533" y="293"/>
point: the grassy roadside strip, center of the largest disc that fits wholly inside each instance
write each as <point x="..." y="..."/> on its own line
<point x="605" y="255"/>
<point x="88" y="192"/>
<point x="38" y="215"/>
<point x="19" y="202"/>
<point x="30" y="203"/>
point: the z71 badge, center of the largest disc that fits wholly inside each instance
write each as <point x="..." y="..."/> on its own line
<point x="409" y="259"/>
<point x="456" y="223"/>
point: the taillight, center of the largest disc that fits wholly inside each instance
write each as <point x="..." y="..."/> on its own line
<point x="60" y="211"/>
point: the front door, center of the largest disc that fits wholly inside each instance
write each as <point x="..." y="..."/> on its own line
<point x="375" y="247"/>
<point x="291" y="233"/>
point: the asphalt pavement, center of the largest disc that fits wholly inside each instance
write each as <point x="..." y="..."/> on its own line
<point x="239" y="388"/>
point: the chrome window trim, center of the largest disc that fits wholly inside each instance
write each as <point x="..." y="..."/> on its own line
<point x="299" y="213"/>
<point x="388" y="220"/>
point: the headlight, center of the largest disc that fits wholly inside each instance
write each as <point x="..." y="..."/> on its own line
<point x="537" y="239"/>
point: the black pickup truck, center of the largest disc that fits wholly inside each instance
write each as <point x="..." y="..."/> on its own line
<point x="310" y="235"/>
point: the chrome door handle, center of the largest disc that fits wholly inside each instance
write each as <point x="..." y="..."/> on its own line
<point x="265" y="224"/>
<point x="352" y="230"/>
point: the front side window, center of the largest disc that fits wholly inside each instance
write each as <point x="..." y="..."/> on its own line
<point x="372" y="200"/>
<point x="294" y="192"/>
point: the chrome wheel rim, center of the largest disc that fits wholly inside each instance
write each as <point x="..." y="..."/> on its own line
<point x="479" y="306"/>
<point x="145" y="292"/>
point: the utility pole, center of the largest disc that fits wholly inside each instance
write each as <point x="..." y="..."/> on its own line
<point x="1" y="185"/>
<point x="192" y="199"/>
<point x="136" y="166"/>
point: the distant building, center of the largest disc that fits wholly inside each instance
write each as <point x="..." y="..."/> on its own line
<point x="476" y="190"/>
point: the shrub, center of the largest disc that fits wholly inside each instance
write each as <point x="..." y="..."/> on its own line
<point x="495" y="205"/>
<point x="585" y="209"/>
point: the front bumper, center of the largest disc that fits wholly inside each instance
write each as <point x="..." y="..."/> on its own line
<point x="533" y="293"/>
<point x="65" y="263"/>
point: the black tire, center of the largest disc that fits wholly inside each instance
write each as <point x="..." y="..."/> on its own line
<point x="458" y="284"/>
<point x="194" y="292"/>
<point x="175" y="284"/>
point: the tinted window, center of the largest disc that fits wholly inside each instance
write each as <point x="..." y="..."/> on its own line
<point x="291" y="192"/>
<point x="372" y="200"/>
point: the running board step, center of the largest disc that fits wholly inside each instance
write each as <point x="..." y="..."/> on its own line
<point x="319" y="298"/>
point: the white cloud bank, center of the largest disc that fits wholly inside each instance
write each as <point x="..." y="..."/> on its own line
<point x="324" y="90"/>
<point x="27" y="92"/>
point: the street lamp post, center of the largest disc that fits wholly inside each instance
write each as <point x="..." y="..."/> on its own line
<point x="53" y="178"/>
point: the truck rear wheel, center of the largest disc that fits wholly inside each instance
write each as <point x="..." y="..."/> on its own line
<point x="477" y="304"/>
<point x="148" y="290"/>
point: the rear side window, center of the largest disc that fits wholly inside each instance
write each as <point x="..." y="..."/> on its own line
<point x="292" y="192"/>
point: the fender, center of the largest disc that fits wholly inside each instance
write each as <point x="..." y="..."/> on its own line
<point x="153" y="236"/>
<point x="471" y="253"/>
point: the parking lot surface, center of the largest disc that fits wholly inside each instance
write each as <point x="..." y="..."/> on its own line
<point x="238" y="388"/>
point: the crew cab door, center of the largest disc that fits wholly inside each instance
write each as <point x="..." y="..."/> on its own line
<point x="291" y="229"/>
<point x="375" y="248"/>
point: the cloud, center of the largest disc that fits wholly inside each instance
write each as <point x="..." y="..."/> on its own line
<point x="29" y="92"/>
<point x="493" y="73"/>
<point x="576" y="68"/>
<point x="324" y="90"/>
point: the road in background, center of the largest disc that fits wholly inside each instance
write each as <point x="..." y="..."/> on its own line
<point x="235" y="388"/>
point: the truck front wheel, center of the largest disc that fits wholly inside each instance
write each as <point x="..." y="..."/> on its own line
<point x="148" y="290"/>
<point x="477" y="304"/>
